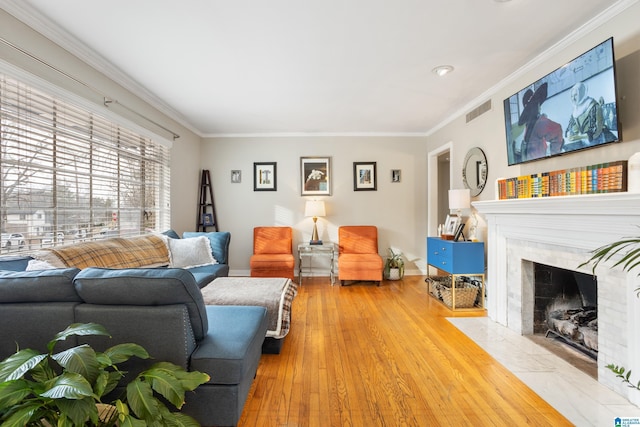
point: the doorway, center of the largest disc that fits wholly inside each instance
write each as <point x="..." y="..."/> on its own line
<point x="439" y="161"/>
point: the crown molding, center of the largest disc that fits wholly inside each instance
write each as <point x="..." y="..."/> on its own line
<point x="317" y="134"/>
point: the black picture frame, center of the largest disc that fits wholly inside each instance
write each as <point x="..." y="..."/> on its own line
<point x="365" y="176"/>
<point x="315" y="176"/>
<point x="265" y="176"/>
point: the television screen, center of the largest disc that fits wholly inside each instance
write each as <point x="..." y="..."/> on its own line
<point x="572" y="108"/>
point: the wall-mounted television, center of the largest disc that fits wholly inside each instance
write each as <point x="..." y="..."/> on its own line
<point x="572" y="108"/>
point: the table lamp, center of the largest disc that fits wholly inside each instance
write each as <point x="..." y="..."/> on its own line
<point x="459" y="199"/>
<point x="315" y="209"/>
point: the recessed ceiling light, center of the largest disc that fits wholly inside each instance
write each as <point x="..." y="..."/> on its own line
<point x="443" y="70"/>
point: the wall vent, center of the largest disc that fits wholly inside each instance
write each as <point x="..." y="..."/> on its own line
<point x="476" y="112"/>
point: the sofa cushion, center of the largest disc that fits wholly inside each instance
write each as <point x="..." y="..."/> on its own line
<point x="38" y="286"/>
<point x="116" y="252"/>
<point x="191" y="252"/>
<point x="219" y="241"/>
<point x="207" y="273"/>
<point x="232" y="348"/>
<point x="34" y="324"/>
<point x="144" y="287"/>
<point x="171" y="234"/>
<point x="14" y="262"/>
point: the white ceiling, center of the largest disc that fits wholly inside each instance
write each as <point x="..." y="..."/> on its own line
<point x="225" y="67"/>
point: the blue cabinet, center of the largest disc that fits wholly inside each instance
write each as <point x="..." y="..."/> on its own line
<point x="459" y="263"/>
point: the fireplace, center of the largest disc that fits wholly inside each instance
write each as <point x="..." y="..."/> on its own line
<point x="565" y="307"/>
<point x="560" y="232"/>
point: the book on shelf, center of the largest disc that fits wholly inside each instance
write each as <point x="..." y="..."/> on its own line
<point x="593" y="179"/>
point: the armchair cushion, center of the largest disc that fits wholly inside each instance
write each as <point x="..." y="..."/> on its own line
<point x="358" y="257"/>
<point x="272" y="240"/>
<point x="275" y="246"/>
<point x="272" y="252"/>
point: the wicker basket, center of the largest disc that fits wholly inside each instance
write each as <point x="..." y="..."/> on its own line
<point x="437" y="282"/>
<point x="465" y="295"/>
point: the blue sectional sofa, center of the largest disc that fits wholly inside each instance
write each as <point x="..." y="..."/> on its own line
<point x="160" y="308"/>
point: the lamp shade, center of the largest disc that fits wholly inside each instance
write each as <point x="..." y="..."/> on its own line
<point x="460" y="199"/>
<point x="314" y="208"/>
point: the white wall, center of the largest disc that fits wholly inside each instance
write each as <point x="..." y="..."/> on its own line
<point x="397" y="209"/>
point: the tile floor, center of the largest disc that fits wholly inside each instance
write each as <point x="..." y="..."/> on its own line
<point x="575" y="394"/>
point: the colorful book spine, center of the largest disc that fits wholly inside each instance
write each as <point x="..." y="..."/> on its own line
<point x="601" y="178"/>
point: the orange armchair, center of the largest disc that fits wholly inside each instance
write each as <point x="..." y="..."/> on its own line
<point x="358" y="257"/>
<point x="272" y="252"/>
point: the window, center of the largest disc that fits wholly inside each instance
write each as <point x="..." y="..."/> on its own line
<point x="71" y="174"/>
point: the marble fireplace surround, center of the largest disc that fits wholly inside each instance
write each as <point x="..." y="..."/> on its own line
<point x="560" y="232"/>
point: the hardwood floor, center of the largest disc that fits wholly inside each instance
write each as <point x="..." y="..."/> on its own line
<point x="363" y="355"/>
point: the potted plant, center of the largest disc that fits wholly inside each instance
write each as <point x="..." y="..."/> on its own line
<point x="394" y="266"/>
<point x="628" y="249"/>
<point x="66" y="388"/>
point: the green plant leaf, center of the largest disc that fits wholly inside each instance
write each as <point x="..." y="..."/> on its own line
<point x="190" y="380"/>
<point x="79" y="411"/>
<point x="113" y="380"/>
<point x="18" y="364"/>
<point x="142" y="402"/>
<point x="69" y="385"/>
<point x="123" y="352"/>
<point x="184" y="420"/>
<point x="22" y="416"/>
<point x="129" y="421"/>
<point x="165" y="383"/>
<point x="80" y="360"/>
<point x="628" y="247"/>
<point x="78" y="329"/>
<point x="13" y="392"/>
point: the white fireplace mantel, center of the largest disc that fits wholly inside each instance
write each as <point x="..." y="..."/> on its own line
<point x="585" y="222"/>
<point x="562" y="232"/>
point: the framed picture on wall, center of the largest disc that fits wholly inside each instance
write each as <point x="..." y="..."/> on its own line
<point x="265" y="176"/>
<point x="364" y="176"/>
<point x="396" y="175"/>
<point x="315" y="176"/>
<point x="236" y="176"/>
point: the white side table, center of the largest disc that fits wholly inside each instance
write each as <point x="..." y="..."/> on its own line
<point x="305" y="250"/>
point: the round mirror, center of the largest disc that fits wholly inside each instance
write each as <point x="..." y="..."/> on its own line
<point x="474" y="171"/>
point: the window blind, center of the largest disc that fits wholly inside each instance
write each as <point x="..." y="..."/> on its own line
<point x="68" y="174"/>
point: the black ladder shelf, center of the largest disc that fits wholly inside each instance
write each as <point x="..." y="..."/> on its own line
<point x="206" y="209"/>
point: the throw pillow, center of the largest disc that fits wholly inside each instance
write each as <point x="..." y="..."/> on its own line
<point x="219" y="242"/>
<point x="38" y="264"/>
<point x="191" y="252"/>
